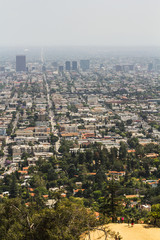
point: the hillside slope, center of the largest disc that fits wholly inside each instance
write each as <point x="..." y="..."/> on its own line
<point x="138" y="232"/>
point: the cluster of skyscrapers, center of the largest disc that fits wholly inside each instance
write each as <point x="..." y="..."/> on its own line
<point x="154" y="65"/>
<point x="69" y="66"/>
<point x="73" y="66"/>
<point x="84" y="65"/>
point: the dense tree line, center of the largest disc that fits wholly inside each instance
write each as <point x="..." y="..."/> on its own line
<point x="67" y="220"/>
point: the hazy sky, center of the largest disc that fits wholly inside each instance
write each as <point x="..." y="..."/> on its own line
<point x="80" y="22"/>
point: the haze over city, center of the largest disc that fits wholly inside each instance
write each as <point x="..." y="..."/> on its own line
<point x="79" y="23"/>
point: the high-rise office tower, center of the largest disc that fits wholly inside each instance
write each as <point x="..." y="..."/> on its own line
<point x="60" y="69"/>
<point x="20" y="63"/>
<point x="2" y="69"/>
<point x="118" y="68"/>
<point x="68" y="66"/>
<point x="84" y="64"/>
<point x="131" y="67"/>
<point x="150" y="67"/>
<point x="74" y="66"/>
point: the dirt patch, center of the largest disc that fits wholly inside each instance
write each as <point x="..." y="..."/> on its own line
<point x="137" y="232"/>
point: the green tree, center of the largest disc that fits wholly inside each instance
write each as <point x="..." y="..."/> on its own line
<point x="155" y="213"/>
<point x="68" y="220"/>
<point x="1" y="153"/>
<point x="53" y="139"/>
<point x="122" y="151"/>
<point x="129" y="122"/>
<point x="89" y="156"/>
<point x="133" y="142"/>
<point x="111" y="203"/>
<point x="13" y="187"/>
